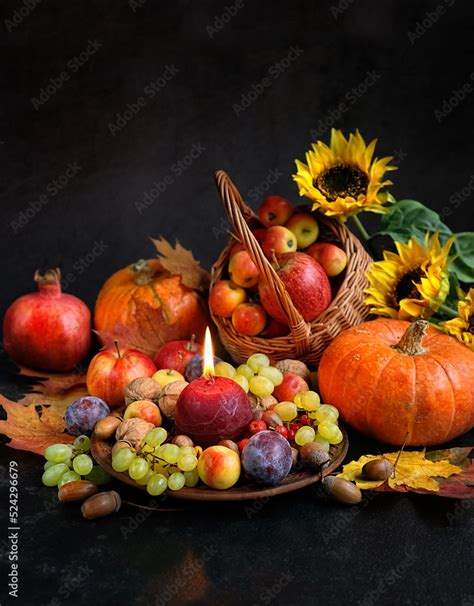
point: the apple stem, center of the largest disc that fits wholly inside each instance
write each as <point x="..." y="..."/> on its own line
<point x="191" y="342"/>
<point x="117" y="348"/>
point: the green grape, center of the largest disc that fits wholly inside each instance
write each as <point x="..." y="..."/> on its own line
<point x="82" y="464"/>
<point x="138" y="468"/>
<point x="157" y="484"/>
<point x="242" y="381"/>
<point x="337" y="437"/>
<point x="329" y="431"/>
<point x="160" y="469"/>
<point x="58" y="453"/>
<point x="309" y="400"/>
<point x="172" y="469"/>
<point x="286" y="410"/>
<point x="304" y="435"/>
<point x="48" y="464"/>
<point x="52" y="475"/>
<point x="98" y="475"/>
<point x="326" y="413"/>
<point x="330" y="410"/>
<point x="261" y="386"/>
<point x="224" y="369"/>
<point x="156" y="437"/>
<point x="191" y="478"/>
<point x="170" y="453"/>
<point x="122" y="459"/>
<point x="82" y="444"/>
<point x="322" y="442"/>
<point x="258" y="361"/>
<point x="144" y="481"/>
<point x="176" y="481"/>
<point x="187" y="462"/>
<point x="69" y="476"/>
<point x="272" y="373"/>
<point x="187" y="450"/>
<point x="244" y="370"/>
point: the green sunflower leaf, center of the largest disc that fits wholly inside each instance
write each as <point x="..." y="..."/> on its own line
<point x="463" y="264"/>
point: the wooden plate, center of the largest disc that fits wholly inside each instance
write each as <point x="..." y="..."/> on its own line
<point x="243" y="490"/>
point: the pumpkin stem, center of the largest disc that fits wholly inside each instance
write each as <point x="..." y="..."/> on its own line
<point x="144" y="272"/>
<point x="50" y="282"/>
<point x="410" y="343"/>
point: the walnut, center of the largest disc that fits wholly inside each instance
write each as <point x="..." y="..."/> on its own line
<point x="294" y="366"/>
<point x="143" y="388"/>
<point x="133" y="430"/>
<point x="169" y="396"/>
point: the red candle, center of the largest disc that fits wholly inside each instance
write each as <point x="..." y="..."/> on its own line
<point x="211" y="409"/>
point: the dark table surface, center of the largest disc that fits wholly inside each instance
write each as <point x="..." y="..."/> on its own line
<point x="108" y="105"/>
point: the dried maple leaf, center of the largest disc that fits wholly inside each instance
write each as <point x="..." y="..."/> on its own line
<point x="54" y="383"/>
<point x="414" y="471"/>
<point x="180" y="261"/>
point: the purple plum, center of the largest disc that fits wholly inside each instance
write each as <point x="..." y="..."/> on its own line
<point x="82" y="415"/>
<point x="194" y="367"/>
<point x="267" y="458"/>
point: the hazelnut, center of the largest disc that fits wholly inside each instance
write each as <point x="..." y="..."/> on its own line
<point x="106" y="427"/>
<point x="294" y="366"/>
<point x="143" y="388"/>
<point x="133" y="430"/>
<point x="101" y="504"/>
<point x="169" y="396"/>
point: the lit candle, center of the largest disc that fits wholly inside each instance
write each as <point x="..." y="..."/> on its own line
<point x="211" y="409"/>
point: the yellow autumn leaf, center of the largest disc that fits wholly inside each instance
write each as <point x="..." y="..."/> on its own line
<point x="412" y="470"/>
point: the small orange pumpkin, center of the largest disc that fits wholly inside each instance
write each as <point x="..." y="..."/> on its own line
<point x="183" y="309"/>
<point x="391" y="379"/>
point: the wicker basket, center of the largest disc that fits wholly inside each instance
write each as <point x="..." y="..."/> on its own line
<point x="306" y="340"/>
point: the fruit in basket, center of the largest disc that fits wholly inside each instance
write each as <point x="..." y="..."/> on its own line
<point x="249" y="319"/>
<point x="224" y="297"/>
<point x="143" y="409"/>
<point x="274" y="329"/>
<point x="332" y="258"/>
<point x="290" y="385"/>
<point x="278" y="240"/>
<point x="306" y="283"/>
<point x="275" y="210"/>
<point x="47" y="329"/>
<point x="305" y="227"/>
<point x="219" y="467"/>
<point x="82" y="415"/>
<point x="400" y="379"/>
<point x="260" y="234"/>
<point x="237" y="247"/>
<point x="112" y="370"/>
<point x="177" y="354"/>
<point x="164" y="376"/>
<point x="212" y="409"/>
<point x="147" y="282"/>
<point x="242" y="270"/>
<point x="267" y="458"/>
<point x="194" y="367"/>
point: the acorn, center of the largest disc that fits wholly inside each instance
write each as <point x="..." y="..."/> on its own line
<point x="314" y="456"/>
<point x="101" y="504"/>
<point x="78" y="490"/>
<point x="377" y="469"/>
<point x="341" y="490"/>
<point x="106" y="427"/>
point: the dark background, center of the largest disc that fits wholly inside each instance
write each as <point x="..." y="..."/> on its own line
<point x="393" y="550"/>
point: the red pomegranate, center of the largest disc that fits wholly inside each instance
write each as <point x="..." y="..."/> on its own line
<point x="47" y="329"/>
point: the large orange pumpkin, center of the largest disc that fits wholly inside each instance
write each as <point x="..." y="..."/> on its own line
<point x="183" y="309"/>
<point x="390" y="378"/>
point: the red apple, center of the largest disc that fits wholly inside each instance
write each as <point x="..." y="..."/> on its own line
<point x="176" y="354"/>
<point x="275" y="210"/>
<point x="249" y="319"/>
<point x="237" y="247"/>
<point x="260" y="234"/>
<point x="242" y="269"/>
<point x="275" y="329"/>
<point x="144" y="409"/>
<point x="112" y="369"/>
<point x="278" y="240"/>
<point x="289" y="387"/>
<point x="332" y="258"/>
<point x="224" y="297"/>
<point x="306" y="283"/>
<point x="305" y="227"/>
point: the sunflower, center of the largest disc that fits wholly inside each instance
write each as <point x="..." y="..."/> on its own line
<point x="462" y="327"/>
<point x="411" y="284"/>
<point x="343" y="179"/>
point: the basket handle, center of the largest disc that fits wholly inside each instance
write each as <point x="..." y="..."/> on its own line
<point x="239" y="213"/>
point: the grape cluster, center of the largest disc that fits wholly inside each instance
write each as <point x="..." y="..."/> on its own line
<point x="256" y="376"/>
<point x="70" y="462"/>
<point x="158" y="465"/>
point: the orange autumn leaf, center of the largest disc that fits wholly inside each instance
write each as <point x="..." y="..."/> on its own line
<point x="180" y="262"/>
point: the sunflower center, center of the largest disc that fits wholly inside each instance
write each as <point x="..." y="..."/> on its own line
<point x="405" y="288"/>
<point x="342" y="180"/>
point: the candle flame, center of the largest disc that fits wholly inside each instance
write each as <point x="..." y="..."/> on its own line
<point x="208" y="368"/>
